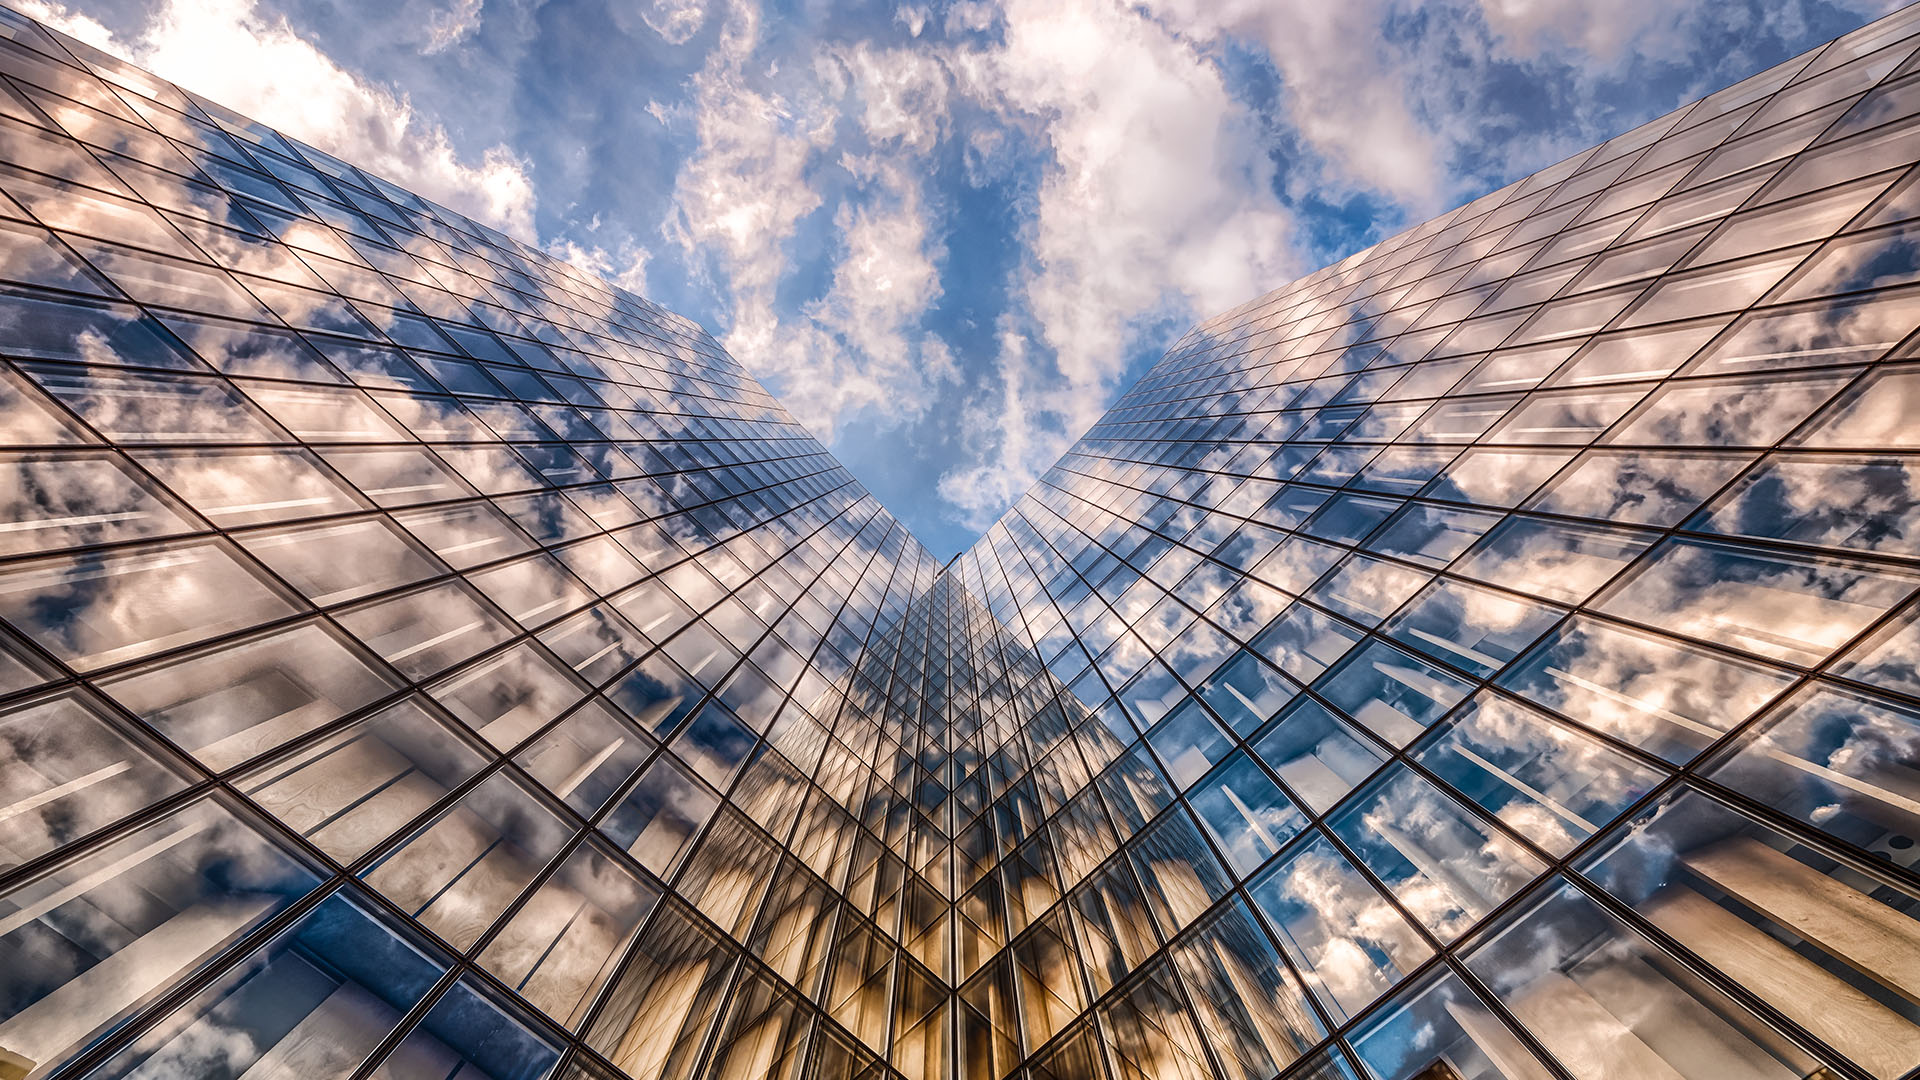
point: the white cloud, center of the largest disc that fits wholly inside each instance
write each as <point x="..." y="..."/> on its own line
<point x="625" y="266"/>
<point x="448" y="28"/>
<point x="1599" y="29"/>
<point x="912" y="17"/>
<point x="676" y="21"/>
<point x="744" y="190"/>
<point x="969" y="15"/>
<point x="857" y="348"/>
<point x="740" y="199"/>
<point x="231" y="54"/>
<point x="1600" y="37"/>
<point x="902" y="94"/>
<point x="1346" y="89"/>
<point x="1414" y="99"/>
<point x="999" y="437"/>
<point x="1158" y="201"/>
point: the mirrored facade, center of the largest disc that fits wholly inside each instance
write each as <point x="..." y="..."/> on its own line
<point x="1492" y="657"/>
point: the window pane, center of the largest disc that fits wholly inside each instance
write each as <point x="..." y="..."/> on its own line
<point x="1637" y="487"/>
<point x="1858" y="503"/>
<point x="1489" y="477"/>
<point x="1471" y="628"/>
<point x="1566" y="416"/>
<point x="49" y="502"/>
<point x="1738" y="597"/>
<point x="1438" y="1028"/>
<point x="98" y="610"/>
<point x="1188" y="742"/>
<point x="250" y="487"/>
<point x="656" y="694"/>
<point x="596" y="643"/>
<point x="1447" y="866"/>
<point x="715" y="743"/>
<point x="533" y="590"/>
<point x="1393" y="694"/>
<point x="468" y="1034"/>
<point x="1564" y="562"/>
<point x="460" y="872"/>
<point x="466" y="535"/>
<point x="156" y="280"/>
<point x="356" y="787"/>
<point x="1664" y="696"/>
<point x="663" y="1004"/>
<point x="509" y="695"/>
<point x="1841" y="761"/>
<point x="156" y="409"/>
<point x="1630" y="1006"/>
<point x="1889" y="657"/>
<point x="1735" y="892"/>
<point x="586" y="757"/>
<point x="66" y="770"/>
<point x="657" y="819"/>
<point x="1348" y="943"/>
<point x="97" y="333"/>
<point x="28" y="418"/>
<point x="1546" y="782"/>
<point x="427" y="631"/>
<point x="334" y="563"/>
<point x="1250" y="1006"/>
<point x="1317" y="754"/>
<point x="1245" y="812"/>
<point x="89" y="941"/>
<point x="1178" y="872"/>
<point x="1730" y="413"/>
<point x="1304" y="641"/>
<point x="398" y="477"/>
<point x="34" y="257"/>
<point x="1814" y="333"/>
<point x="1432" y="534"/>
<point x="1246" y="692"/>
<point x="1367" y="590"/>
<point x="311" y="1003"/>
<point x="243" y="698"/>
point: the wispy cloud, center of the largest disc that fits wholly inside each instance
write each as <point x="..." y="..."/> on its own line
<point x="452" y="25"/>
<point x="847" y="138"/>
<point x="1156" y="200"/>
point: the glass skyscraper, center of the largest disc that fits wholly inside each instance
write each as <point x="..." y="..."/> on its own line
<point x="1495" y="656"/>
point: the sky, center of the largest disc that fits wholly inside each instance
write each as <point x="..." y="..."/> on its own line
<point x="948" y="236"/>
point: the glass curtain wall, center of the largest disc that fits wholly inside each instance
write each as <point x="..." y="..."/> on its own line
<point x="1495" y="653"/>
<point x="1492" y="657"/>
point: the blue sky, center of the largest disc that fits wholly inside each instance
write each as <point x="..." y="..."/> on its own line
<point x="949" y="235"/>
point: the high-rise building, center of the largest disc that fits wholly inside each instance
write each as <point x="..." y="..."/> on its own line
<point x="1495" y="656"/>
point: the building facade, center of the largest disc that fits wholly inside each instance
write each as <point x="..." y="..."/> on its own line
<point x="1495" y="656"/>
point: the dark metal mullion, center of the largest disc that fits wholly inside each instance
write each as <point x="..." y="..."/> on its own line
<point x="1619" y="576"/>
<point x="329" y="616"/>
<point x="1758" y="454"/>
<point x="1673" y="780"/>
<point x="1892" y="562"/>
<point x="1677" y="777"/>
<point x="1654" y="795"/>
<point x="740" y="955"/>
